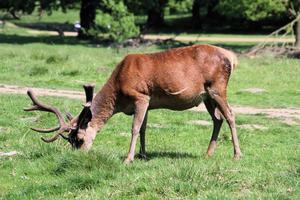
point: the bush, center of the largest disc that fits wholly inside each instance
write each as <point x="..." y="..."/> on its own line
<point x="115" y="22"/>
<point x="175" y="6"/>
<point x="252" y="10"/>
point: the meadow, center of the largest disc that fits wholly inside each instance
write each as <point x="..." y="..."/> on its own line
<point x="177" y="167"/>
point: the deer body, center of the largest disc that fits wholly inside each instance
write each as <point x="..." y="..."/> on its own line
<point x="176" y="79"/>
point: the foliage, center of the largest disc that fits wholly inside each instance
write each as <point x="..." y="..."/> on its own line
<point x="116" y="21"/>
<point x="28" y="6"/>
<point x="252" y="10"/>
<point x="12" y="6"/>
<point x="179" y="6"/>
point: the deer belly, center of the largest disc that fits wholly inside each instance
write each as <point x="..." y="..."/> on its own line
<point x="176" y="102"/>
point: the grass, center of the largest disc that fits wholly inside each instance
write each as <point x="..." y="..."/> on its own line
<point x="177" y="168"/>
<point x="59" y="65"/>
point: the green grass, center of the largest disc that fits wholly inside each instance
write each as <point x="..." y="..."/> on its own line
<point x="61" y="65"/>
<point x="177" y="167"/>
<point x="270" y="168"/>
<point x="55" y="18"/>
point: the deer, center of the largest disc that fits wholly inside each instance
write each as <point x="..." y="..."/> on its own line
<point x="176" y="79"/>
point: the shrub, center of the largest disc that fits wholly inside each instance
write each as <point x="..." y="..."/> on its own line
<point x="115" y="22"/>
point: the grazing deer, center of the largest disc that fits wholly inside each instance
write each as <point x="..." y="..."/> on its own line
<point x="176" y="79"/>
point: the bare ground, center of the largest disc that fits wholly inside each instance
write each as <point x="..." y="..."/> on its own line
<point x="217" y="39"/>
<point x="290" y="116"/>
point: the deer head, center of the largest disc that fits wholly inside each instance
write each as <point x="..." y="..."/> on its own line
<point x="76" y="126"/>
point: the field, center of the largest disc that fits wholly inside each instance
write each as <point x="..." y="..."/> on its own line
<point x="176" y="144"/>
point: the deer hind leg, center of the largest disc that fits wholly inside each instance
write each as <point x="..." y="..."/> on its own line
<point x="142" y="153"/>
<point x="220" y="97"/>
<point x="212" y="109"/>
<point x="141" y="106"/>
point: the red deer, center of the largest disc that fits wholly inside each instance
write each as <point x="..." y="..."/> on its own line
<point x="176" y="79"/>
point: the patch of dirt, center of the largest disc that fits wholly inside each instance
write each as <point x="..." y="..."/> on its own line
<point x="12" y="89"/>
<point x="284" y="114"/>
<point x="217" y="39"/>
<point x="54" y="33"/>
<point x="290" y="52"/>
<point x="200" y="122"/>
<point x="290" y="116"/>
<point x="102" y="69"/>
<point x="29" y="119"/>
<point x="254" y="90"/>
<point x="244" y="126"/>
<point x="153" y="125"/>
<point x="253" y="127"/>
<point x="124" y="134"/>
<point x="290" y="121"/>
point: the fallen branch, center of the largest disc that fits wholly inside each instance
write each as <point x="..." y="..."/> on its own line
<point x="287" y="30"/>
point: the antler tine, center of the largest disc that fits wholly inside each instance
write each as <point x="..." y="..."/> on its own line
<point x="45" y="130"/>
<point x="42" y="107"/>
<point x="52" y="139"/>
<point x="69" y="116"/>
<point x="55" y="137"/>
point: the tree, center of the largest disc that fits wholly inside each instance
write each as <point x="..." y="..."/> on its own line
<point x="256" y="10"/>
<point x="154" y="9"/>
<point x="87" y="18"/>
<point x="294" y="10"/>
<point x="196" y="14"/>
<point x="116" y="22"/>
<point x="155" y="13"/>
<point x="15" y="6"/>
<point x="251" y="10"/>
<point x="204" y="10"/>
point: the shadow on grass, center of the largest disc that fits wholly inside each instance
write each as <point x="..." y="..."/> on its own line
<point x="22" y="39"/>
<point x="47" y="26"/>
<point x="167" y="154"/>
<point x="69" y="40"/>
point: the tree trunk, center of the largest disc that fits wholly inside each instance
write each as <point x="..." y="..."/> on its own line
<point x="155" y="18"/>
<point x="156" y="15"/>
<point x="196" y="14"/>
<point x="87" y="18"/>
<point x="297" y="34"/>
<point x="211" y="13"/>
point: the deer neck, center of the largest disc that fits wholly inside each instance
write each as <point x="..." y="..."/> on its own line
<point x="103" y="106"/>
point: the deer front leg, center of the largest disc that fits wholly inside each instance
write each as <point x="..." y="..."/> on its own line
<point x="142" y="137"/>
<point x="141" y="107"/>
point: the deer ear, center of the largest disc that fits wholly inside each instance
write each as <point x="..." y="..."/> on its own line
<point x="86" y="114"/>
<point x="89" y="90"/>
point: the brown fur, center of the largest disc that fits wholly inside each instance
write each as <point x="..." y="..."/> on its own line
<point x="176" y="79"/>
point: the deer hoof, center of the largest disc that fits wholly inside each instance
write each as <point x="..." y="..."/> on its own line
<point x="142" y="156"/>
<point x="237" y="156"/>
<point x="127" y="161"/>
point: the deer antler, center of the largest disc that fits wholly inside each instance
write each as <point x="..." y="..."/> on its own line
<point x="63" y="127"/>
